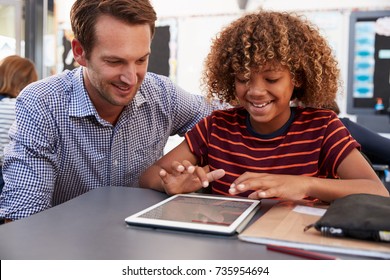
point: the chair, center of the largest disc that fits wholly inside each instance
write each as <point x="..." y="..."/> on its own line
<point x="382" y="170"/>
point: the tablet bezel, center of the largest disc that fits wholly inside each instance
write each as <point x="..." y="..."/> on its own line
<point x="233" y="228"/>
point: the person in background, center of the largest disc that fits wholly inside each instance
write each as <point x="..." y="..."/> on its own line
<point x="101" y="124"/>
<point x="264" y="148"/>
<point x="15" y="73"/>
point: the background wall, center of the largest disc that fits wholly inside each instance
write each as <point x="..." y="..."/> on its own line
<point x="195" y="24"/>
<point x="192" y="24"/>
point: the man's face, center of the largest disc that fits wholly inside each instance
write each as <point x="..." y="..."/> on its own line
<point x="117" y="63"/>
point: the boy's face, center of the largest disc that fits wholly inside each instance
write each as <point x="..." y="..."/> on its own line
<point x="117" y="63"/>
<point x="266" y="96"/>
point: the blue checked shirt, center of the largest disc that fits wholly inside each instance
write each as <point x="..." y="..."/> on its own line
<point x="61" y="148"/>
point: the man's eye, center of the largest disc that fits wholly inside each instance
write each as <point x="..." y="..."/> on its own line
<point x="142" y="60"/>
<point x="113" y="61"/>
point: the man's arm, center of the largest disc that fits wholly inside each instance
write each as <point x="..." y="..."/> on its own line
<point x="185" y="109"/>
<point x="29" y="162"/>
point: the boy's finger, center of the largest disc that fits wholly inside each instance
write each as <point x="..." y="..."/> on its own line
<point x="215" y="175"/>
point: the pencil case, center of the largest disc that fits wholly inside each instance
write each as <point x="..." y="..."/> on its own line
<point x="361" y="216"/>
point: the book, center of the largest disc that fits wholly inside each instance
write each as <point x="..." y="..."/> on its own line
<point x="284" y="223"/>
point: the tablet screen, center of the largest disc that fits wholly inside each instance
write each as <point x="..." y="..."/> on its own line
<point x="197" y="212"/>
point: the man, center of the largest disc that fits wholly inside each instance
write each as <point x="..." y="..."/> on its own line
<point x="101" y="124"/>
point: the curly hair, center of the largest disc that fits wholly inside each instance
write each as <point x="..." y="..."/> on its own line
<point x="279" y="39"/>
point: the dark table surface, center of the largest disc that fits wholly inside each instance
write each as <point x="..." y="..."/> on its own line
<point x="92" y="227"/>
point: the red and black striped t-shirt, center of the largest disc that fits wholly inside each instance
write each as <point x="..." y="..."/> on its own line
<point x="312" y="143"/>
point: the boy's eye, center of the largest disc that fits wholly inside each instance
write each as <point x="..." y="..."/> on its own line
<point x="241" y="80"/>
<point x="271" y="81"/>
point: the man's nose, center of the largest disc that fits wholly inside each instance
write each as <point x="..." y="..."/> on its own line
<point x="129" y="76"/>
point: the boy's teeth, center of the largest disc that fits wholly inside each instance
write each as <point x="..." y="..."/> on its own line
<point x="261" y="105"/>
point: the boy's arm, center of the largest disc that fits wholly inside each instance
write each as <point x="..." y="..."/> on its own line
<point x="151" y="177"/>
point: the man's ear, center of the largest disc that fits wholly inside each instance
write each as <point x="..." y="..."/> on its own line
<point x="78" y="53"/>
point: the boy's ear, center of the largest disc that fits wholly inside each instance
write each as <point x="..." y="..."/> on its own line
<point x="234" y="102"/>
<point x="297" y="93"/>
<point x="78" y="52"/>
<point x="297" y="84"/>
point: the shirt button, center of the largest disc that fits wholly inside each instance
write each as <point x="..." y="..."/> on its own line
<point x="116" y="162"/>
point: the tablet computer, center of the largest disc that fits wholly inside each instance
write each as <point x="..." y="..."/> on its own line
<point x="198" y="212"/>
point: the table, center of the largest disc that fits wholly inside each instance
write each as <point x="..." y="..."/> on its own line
<point x="92" y="227"/>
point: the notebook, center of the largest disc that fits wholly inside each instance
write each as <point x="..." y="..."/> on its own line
<point x="284" y="223"/>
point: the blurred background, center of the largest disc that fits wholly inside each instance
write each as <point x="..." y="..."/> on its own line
<point x="40" y="30"/>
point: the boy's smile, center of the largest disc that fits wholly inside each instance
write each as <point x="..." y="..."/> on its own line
<point x="266" y="96"/>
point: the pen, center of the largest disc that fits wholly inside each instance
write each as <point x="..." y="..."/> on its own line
<point x="300" y="253"/>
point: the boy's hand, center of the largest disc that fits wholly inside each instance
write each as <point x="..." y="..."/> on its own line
<point x="186" y="178"/>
